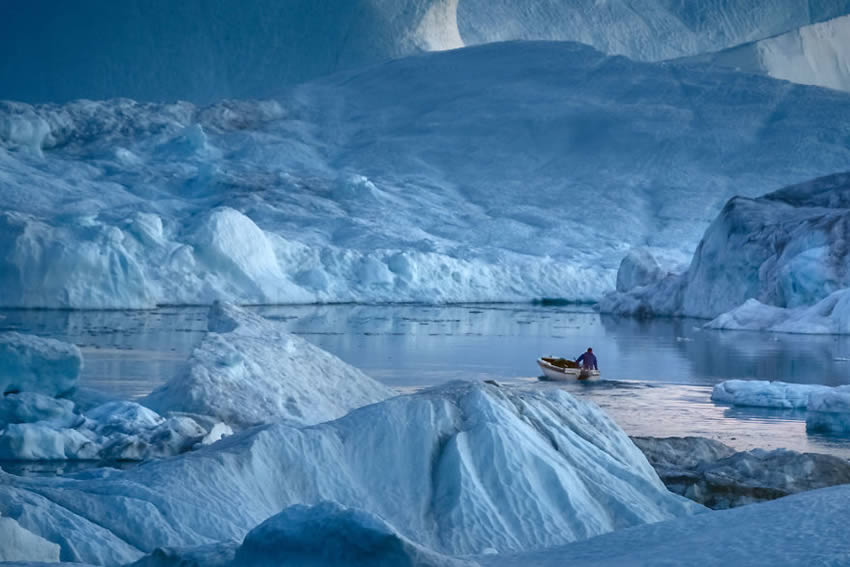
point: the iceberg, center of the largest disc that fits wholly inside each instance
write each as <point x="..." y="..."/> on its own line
<point x="458" y="469"/>
<point x="361" y="188"/>
<point x="778" y="262"/>
<point x="248" y="371"/>
<point x="35" y="364"/>
<point x="828" y="408"/>
<point x="761" y="393"/>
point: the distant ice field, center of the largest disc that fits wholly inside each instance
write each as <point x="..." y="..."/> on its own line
<point x="658" y="374"/>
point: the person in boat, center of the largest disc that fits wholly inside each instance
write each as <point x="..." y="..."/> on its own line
<point x="587" y="360"/>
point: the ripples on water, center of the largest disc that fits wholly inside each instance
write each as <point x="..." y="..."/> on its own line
<point x="658" y="374"/>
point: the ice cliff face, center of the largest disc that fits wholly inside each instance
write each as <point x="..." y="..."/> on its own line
<point x="779" y="262"/>
<point x="818" y="54"/>
<point x="206" y="51"/>
<point x="501" y="172"/>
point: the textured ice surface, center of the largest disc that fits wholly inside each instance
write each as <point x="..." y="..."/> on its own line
<point x="35" y="427"/>
<point x="761" y="393"/>
<point x="207" y="50"/>
<point x="802" y="529"/>
<point x="713" y="474"/>
<point x="501" y="172"/>
<point x="817" y="54"/>
<point x="248" y="370"/>
<point x="780" y="262"/>
<point x="35" y="364"/>
<point x="458" y="469"/>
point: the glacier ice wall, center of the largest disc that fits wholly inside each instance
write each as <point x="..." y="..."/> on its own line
<point x="817" y="54"/>
<point x="204" y="51"/>
<point x="501" y="172"/>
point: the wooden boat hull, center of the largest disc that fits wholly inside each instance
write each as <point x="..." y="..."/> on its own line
<point x="553" y="372"/>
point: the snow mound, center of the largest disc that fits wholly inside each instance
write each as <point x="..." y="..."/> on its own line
<point x="248" y="370"/>
<point x="713" y="474"/>
<point x="817" y="54"/>
<point x="458" y="469"/>
<point x="34" y="364"/>
<point x="785" y="265"/>
<point x="802" y="529"/>
<point x="364" y="188"/>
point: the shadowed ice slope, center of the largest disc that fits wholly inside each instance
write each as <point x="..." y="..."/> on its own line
<point x="502" y="172"/>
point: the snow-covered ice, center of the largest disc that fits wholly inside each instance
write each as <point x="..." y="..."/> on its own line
<point x="459" y="469"/>
<point x="802" y="529"/>
<point x="35" y="364"/>
<point x="778" y="262"/>
<point x="445" y="186"/>
<point x="248" y="370"/>
<point x="717" y="476"/>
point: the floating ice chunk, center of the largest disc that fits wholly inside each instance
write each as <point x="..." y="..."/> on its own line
<point x="248" y="370"/>
<point x="34" y="364"/>
<point x="830" y="315"/>
<point x="767" y="394"/>
<point x="829" y="412"/>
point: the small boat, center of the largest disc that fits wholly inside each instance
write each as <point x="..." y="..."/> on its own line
<point x="563" y="369"/>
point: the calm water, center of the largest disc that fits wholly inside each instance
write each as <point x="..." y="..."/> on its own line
<point x="657" y="374"/>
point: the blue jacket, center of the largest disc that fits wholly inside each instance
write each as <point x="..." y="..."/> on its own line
<point x="587" y="360"/>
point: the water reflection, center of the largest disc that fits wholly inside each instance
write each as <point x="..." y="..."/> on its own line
<point x="128" y="353"/>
